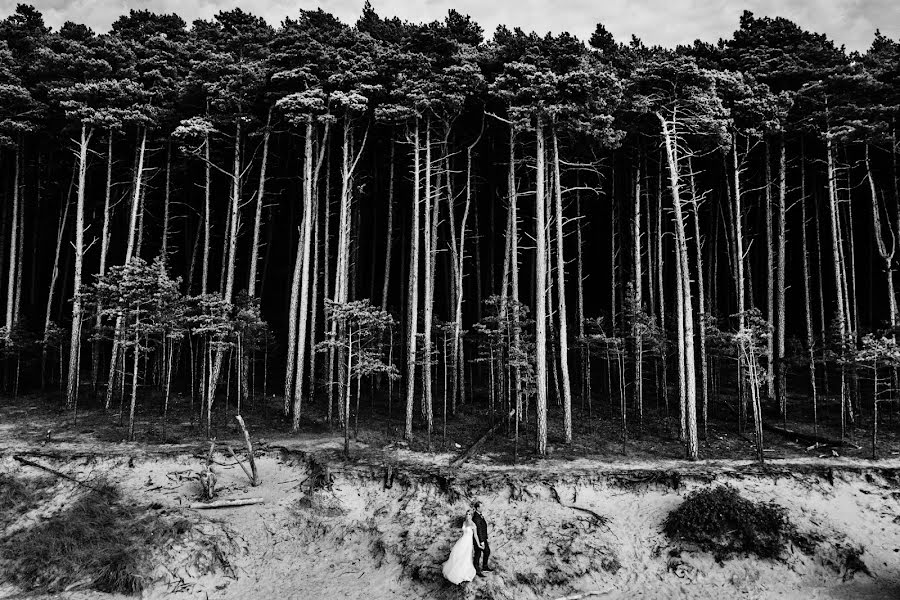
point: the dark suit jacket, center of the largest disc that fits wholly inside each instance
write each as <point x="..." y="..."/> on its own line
<point x="480" y="526"/>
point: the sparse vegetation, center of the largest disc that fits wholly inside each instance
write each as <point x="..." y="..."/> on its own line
<point x="101" y="542"/>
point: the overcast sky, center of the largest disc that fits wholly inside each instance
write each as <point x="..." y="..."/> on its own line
<point x="666" y="22"/>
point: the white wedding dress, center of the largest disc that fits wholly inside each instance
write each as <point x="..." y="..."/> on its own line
<point x="459" y="567"/>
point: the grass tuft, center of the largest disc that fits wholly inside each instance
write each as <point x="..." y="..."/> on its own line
<point x="99" y="541"/>
<point x="721" y="521"/>
<point x="18" y="496"/>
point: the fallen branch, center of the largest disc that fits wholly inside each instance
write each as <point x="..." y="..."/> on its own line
<point x="600" y="518"/>
<point x="471" y="450"/>
<point x="254" y="479"/>
<point x="227" y="503"/>
<point x="240" y="464"/>
<point x="807" y="438"/>
<point x="25" y="461"/>
<point x="584" y="595"/>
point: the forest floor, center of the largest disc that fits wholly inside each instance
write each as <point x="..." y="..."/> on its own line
<point x="375" y="536"/>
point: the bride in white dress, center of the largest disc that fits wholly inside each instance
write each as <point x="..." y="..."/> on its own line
<point x="459" y="567"/>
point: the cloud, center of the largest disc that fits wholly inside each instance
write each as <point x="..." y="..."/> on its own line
<point x="666" y="22"/>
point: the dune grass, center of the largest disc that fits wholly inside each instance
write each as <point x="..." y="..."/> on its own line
<point x="100" y="541"/>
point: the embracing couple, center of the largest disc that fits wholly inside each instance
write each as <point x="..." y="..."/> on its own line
<point x="463" y="565"/>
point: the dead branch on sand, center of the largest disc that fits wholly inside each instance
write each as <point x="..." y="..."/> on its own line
<point x="227" y="503"/>
<point x="254" y="478"/>
<point x="592" y="594"/>
<point x="30" y="463"/>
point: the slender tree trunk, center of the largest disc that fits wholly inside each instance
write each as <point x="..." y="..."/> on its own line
<point x="390" y="233"/>
<point x="228" y="288"/>
<point x="260" y="204"/>
<point x="75" y="338"/>
<point x="780" y="266"/>
<point x="54" y="275"/>
<point x="886" y="255"/>
<point x="134" y="379"/>
<point x="684" y="302"/>
<point x="254" y="247"/>
<point x="14" y="259"/>
<point x="561" y="297"/>
<point x="164" y="250"/>
<point x="585" y="348"/>
<point x="314" y="295"/>
<point x="701" y="302"/>
<point x="129" y="253"/>
<point x="637" y="300"/>
<point x="840" y="313"/>
<point x="770" y="278"/>
<point x="428" y="308"/>
<point x="539" y="300"/>
<point x="207" y="242"/>
<point x="309" y="211"/>
<point x="413" y="298"/>
<point x="810" y="336"/>
<point x="104" y="252"/>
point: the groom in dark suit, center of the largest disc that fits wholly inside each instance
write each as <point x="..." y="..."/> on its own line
<point x="481" y="564"/>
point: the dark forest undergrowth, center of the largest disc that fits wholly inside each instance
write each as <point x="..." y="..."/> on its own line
<point x="41" y="418"/>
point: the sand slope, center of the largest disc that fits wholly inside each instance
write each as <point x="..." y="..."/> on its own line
<point x="362" y="541"/>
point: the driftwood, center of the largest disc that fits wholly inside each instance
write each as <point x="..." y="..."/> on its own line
<point x="52" y="471"/>
<point x="254" y="478"/>
<point x="471" y="450"/>
<point x="807" y="438"/>
<point x="592" y="594"/>
<point x="227" y="503"/>
<point x="240" y="464"/>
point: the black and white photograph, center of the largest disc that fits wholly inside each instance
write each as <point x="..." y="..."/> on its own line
<point x="449" y="300"/>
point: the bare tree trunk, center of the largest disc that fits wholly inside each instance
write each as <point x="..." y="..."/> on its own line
<point x="164" y="250"/>
<point x="840" y="314"/>
<point x="228" y="288"/>
<point x="428" y="308"/>
<point x="539" y="300"/>
<point x="681" y="354"/>
<point x="129" y="253"/>
<point x="260" y="196"/>
<point x="886" y="255"/>
<point x="75" y="338"/>
<point x="314" y="295"/>
<point x="342" y="271"/>
<point x="701" y="302"/>
<point x="413" y="298"/>
<point x="770" y="278"/>
<point x="810" y="337"/>
<point x="660" y="283"/>
<point x="637" y="300"/>
<point x="585" y="349"/>
<point x="780" y="266"/>
<point x="134" y="382"/>
<point x="561" y="297"/>
<point x="293" y="307"/>
<point x="104" y="251"/>
<point x="14" y="259"/>
<point x="390" y="233"/>
<point x="207" y="192"/>
<point x="309" y="211"/>
<point x="684" y="302"/>
<point x="54" y="275"/>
